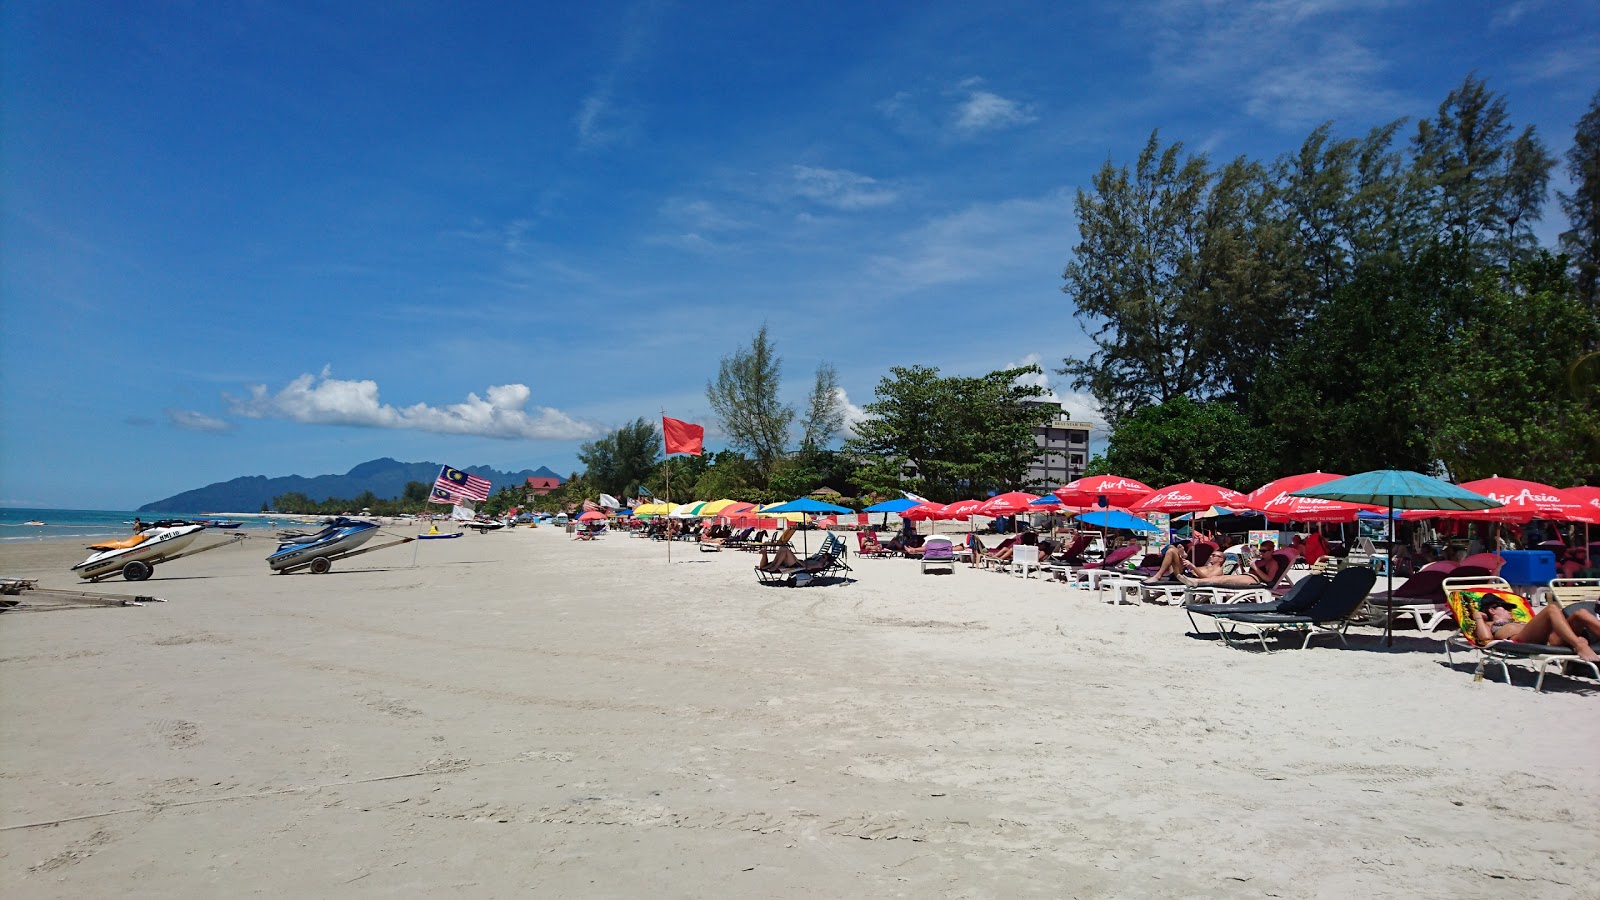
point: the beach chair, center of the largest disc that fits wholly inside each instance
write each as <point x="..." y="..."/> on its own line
<point x="938" y="553"/>
<point x="1341" y="602"/>
<point x="792" y="572"/>
<point x="1568" y="591"/>
<point x="1300" y="599"/>
<point x="1421" y="597"/>
<point x="1024" y="559"/>
<point x="1464" y="595"/>
<point x="1089" y="575"/>
<point x="1282" y="560"/>
<point x="779" y="543"/>
<point x="867" y="545"/>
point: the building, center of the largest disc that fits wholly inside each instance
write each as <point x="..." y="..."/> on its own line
<point x="540" y="486"/>
<point x="1063" y="453"/>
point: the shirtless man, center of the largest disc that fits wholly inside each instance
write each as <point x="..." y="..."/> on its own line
<point x="1492" y="622"/>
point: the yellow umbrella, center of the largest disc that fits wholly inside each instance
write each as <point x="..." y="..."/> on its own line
<point x="653" y="509"/>
<point x="715" y="507"/>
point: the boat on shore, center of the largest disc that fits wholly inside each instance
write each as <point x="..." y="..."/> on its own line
<point x="136" y="556"/>
<point x="339" y="537"/>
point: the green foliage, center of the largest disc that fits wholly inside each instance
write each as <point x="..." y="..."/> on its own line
<point x="1581" y="241"/>
<point x="744" y="397"/>
<point x="824" y="417"/>
<point x="947" y="438"/>
<point x="1182" y="440"/>
<point x="621" y="460"/>
<point x="412" y="500"/>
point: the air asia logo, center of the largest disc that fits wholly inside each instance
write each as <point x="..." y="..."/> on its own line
<point x="1121" y="484"/>
<point x="1526" y="497"/>
<point x="1285" y="498"/>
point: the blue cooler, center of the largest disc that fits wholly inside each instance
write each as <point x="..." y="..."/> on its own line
<point x="1528" y="566"/>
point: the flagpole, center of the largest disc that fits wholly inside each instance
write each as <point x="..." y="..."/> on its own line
<point x="666" y="457"/>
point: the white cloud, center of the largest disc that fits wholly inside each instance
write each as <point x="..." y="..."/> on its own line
<point x="1042" y="379"/>
<point x="984" y="110"/>
<point x="853" y="414"/>
<point x="841" y="188"/>
<point x="1512" y="13"/>
<point x="1080" y="407"/>
<point x="190" y="420"/>
<point x="324" y="400"/>
<point x="983" y="240"/>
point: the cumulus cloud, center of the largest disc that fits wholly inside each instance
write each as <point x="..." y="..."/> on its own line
<point x="853" y="414"/>
<point x="841" y="188"/>
<point x="981" y="110"/>
<point x="1080" y="407"/>
<point x="191" y="420"/>
<point x="324" y="400"/>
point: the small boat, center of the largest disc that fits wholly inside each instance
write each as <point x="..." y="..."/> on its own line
<point x="136" y="556"/>
<point x="33" y="522"/>
<point x="218" y="523"/>
<point x="438" y="537"/>
<point x="319" y="549"/>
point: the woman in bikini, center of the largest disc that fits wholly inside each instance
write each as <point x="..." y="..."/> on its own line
<point x="1263" y="572"/>
<point x="1492" y="622"/>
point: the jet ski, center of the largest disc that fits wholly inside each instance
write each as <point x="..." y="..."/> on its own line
<point x="338" y="538"/>
<point x="136" y="556"/>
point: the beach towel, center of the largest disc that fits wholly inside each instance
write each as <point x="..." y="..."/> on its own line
<point x="1463" y="603"/>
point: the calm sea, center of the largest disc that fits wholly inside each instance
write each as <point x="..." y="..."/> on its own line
<point x="92" y="524"/>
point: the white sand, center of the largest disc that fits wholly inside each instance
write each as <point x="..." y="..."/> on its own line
<point x="523" y="715"/>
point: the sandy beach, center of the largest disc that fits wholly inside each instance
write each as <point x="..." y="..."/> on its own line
<point x="519" y="714"/>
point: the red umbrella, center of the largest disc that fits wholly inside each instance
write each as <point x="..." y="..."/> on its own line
<point x="961" y="509"/>
<point x="1190" y="496"/>
<point x="737" y="509"/>
<point x="922" y="511"/>
<point x="1007" y="504"/>
<point x="592" y="516"/>
<point x="1523" y="502"/>
<point x="1587" y="499"/>
<point x="1114" y="489"/>
<point x="1275" y="500"/>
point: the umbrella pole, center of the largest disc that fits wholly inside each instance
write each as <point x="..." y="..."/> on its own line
<point x="1388" y="613"/>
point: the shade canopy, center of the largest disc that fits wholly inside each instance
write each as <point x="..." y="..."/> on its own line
<point x="687" y="510"/>
<point x="716" y="507"/>
<point x="960" y="510"/>
<point x="1399" y="490"/>
<point x="1007" y="504"/>
<point x="1189" y="496"/>
<point x="1114" y="490"/>
<point x="592" y="516"/>
<point x="807" y="505"/>
<point x="1116" y="518"/>
<point x="652" y="509"/>
<point x="1276" y="500"/>
<point x="1522" y="502"/>
<point x="922" y="511"/>
<point x="1587" y="500"/>
<point x="899" y="504"/>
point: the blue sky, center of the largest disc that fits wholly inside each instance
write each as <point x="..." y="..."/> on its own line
<point x="285" y="238"/>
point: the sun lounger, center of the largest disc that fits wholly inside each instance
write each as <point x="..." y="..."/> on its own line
<point x="938" y="553"/>
<point x="1340" y="602"/>
<point x="1464" y="595"/>
<point x="867" y="545"/>
<point x="1282" y="558"/>
<point x="1302" y="596"/>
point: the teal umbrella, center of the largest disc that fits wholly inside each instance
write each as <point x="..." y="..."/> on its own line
<point x="1396" y="489"/>
<point x="1116" y="518"/>
<point x="807" y="506"/>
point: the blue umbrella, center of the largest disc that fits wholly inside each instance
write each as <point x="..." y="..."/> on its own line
<point x="1397" y="489"/>
<point x="892" y="506"/>
<point x="806" y="505"/>
<point x="1112" y="518"/>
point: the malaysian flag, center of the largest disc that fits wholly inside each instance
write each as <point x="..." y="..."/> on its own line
<point x="461" y="484"/>
<point x="440" y="495"/>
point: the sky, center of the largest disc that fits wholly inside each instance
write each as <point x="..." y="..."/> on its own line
<point x="265" y="238"/>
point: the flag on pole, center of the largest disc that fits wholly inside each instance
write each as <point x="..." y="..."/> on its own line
<point x="440" y="495"/>
<point x="460" y="483"/>
<point x="683" y="437"/>
<point x="610" y="502"/>
<point x="911" y="496"/>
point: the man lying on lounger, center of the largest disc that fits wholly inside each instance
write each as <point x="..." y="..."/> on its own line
<point x="1263" y="572"/>
<point x="1492" y="622"/>
<point x="1175" y="563"/>
<point x="783" y="559"/>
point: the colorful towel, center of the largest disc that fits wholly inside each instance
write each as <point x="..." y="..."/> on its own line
<point x="1463" y="603"/>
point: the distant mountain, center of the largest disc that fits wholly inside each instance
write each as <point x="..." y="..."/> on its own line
<point x="384" y="477"/>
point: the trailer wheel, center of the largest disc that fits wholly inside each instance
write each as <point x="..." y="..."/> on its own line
<point x="321" y="565"/>
<point x="137" y="571"/>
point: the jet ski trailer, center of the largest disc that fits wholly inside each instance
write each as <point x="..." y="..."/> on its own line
<point x="342" y="539"/>
<point x="135" y="558"/>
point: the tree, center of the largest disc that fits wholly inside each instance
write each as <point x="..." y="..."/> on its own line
<point x="1182" y="440"/>
<point x="1581" y="242"/>
<point x="620" y="460"/>
<point x="1483" y="188"/>
<point x="948" y="437"/>
<point x="415" y="492"/>
<point x="744" y="397"/>
<point x="824" y="417"/>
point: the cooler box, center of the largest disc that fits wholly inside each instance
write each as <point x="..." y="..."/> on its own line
<point x="1528" y="566"/>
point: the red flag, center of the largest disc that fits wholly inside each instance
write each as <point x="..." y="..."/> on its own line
<point x="683" y="437"/>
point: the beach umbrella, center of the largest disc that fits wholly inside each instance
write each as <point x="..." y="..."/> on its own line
<point x="592" y="516"/>
<point x="899" y="504"/>
<point x="715" y="507"/>
<point x="1103" y="491"/>
<point x="961" y="510"/>
<point x="1189" y="496"/>
<point x="1008" y="504"/>
<point x="1395" y="489"/>
<point x="1522" y="502"/>
<point x="736" y="509"/>
<point x="1276" y="500"/>
<point x="1587" y="499"/>
<point x="806" y="506"/>
<point x="686" y="511"/>
<point x="1116" y="518"/>
<point x="922" y="511"/>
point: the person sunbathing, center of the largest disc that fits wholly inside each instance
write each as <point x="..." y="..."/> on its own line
<point x="1262" y="573"/>
<point x="1174" y="562"/>
<point x="1492" y="621"/>
<point x="783" y="560"/>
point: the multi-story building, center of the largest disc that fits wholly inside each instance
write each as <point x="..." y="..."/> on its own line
<point x="1063" y="453"/>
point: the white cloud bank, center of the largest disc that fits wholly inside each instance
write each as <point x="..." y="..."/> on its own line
<point x="984" y="110"/>
<point x="841" y="188"/>
<point x="324" y="400"/>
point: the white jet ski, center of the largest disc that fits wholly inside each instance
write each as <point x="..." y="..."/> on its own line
<point x="135" y="557"/>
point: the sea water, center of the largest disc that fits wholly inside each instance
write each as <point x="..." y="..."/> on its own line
<point x="97" y="524"/>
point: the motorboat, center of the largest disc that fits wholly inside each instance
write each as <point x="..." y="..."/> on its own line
<point x="135" y="557"/>
<point x="319" y="549"/>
